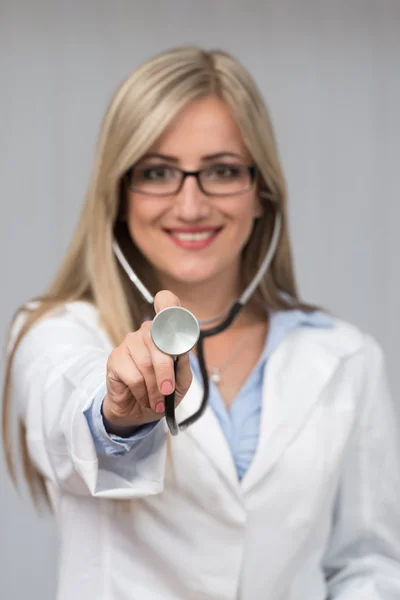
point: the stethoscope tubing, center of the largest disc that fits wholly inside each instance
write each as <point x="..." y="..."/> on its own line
<point x="232" y="313"/>
<point x="169" y="400"/>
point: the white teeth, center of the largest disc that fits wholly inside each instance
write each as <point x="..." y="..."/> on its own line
<point x="193" y="237"/>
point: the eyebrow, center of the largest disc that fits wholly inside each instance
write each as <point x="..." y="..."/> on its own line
<point x="208" y="157"/>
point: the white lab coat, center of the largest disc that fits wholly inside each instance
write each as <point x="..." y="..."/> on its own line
<point x="316" y="516"/>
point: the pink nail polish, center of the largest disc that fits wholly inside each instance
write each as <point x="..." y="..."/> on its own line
<point x="166" y="388"/>
<point x="160" y="407"/>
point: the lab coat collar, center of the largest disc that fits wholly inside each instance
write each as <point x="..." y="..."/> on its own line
<point x="295" y="377"/>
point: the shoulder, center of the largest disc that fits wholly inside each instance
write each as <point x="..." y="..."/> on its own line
<point x="335" y="356"/>
<point x="343" y="340"/>
<point x="68" y="323"/>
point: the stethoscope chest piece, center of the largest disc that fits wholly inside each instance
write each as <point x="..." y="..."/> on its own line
<point x="175" y="330"/>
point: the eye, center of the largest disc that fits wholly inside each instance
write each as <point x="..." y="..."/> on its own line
<point x="155" y="173"/>
<point x="223" y="171"/>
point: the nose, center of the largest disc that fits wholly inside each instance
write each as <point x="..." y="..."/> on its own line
<point x="191" y="204"/>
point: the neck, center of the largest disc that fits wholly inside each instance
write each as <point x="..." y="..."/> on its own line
<point x="208" y="300"/>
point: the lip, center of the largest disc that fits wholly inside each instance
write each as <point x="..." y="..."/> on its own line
<point x="193" y="244"/>
<point x="192" y="229"/>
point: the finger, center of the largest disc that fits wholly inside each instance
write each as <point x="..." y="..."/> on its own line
<point x="184" y="377"/>
<point x="165" y="299"/>
<point x="122" y="374"/>
<point x="163" y="364"/>
<point x="143" y="361"/>
<point x="184" y="374"/>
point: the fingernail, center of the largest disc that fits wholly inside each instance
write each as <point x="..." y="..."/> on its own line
<point x="160" y="407"/>
<point x="166" y="388"/>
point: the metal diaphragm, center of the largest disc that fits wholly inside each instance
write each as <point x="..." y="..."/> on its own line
<point x="175" y="330"/>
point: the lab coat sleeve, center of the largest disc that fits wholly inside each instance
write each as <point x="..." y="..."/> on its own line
<point x="363" y="558"/>
<point x="108" y="444"/>
<point x="58" y="369"/>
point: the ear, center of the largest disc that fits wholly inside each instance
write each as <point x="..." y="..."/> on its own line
<point x="263" y="195"/>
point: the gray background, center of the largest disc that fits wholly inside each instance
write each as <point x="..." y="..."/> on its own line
<point x="330" y="73"/>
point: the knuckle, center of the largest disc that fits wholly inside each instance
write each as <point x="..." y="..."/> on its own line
<point x="112" y="361"/>
<point x="130" y="338"/>
<point x="110" y="371"/>
<point x="115" y="352"/>
<point x="153" y="391"/>
<point x="145" y="362"/>
<point x="164" y="363"/>
<point x="145" y="331"/>
<point x="136" y="381"/>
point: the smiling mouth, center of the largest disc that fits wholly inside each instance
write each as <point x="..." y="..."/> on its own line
<point x="193" y="239"/>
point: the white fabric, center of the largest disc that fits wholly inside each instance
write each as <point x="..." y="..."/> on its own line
<point x="316" y="516"/>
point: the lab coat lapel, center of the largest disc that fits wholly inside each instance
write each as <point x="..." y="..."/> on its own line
<point x="208" y="435"/>
<point x="295" y="377"/>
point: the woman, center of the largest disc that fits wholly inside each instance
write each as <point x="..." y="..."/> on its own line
<point x="287" y="487"/>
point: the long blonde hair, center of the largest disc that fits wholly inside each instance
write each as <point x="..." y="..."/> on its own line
<point x="139" y="112"/>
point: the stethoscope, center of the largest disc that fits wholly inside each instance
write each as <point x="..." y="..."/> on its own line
<point x="175" y="330"/>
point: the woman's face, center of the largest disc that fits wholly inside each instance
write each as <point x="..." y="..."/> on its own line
<point x="191" y="237"/>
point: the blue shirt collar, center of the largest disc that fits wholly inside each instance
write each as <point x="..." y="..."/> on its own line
<point x="283" y="321"/>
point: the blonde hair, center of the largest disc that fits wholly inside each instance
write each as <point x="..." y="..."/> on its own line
<point x="138" y="113"/>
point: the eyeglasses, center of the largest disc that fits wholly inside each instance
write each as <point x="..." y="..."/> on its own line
<point x="220" y="179"/>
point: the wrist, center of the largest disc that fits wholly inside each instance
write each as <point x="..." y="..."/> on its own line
<point x="112" y="428"/>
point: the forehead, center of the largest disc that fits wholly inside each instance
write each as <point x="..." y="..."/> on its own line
<point x="205" y="126"/>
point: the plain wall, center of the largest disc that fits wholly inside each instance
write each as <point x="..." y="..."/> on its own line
<point x="330" y="72"/>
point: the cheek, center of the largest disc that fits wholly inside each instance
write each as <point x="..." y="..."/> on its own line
<point x="140" y="217"/>
<point x="247" y="212"/>
<point x="139" y="222"/>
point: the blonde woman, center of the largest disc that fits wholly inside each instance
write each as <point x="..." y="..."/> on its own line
<point x="287" y="487"/>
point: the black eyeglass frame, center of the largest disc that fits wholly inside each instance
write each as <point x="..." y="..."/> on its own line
<point x="252" y="169"/>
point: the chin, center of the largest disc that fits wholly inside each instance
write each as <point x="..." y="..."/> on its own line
<point x="191" y="274"/>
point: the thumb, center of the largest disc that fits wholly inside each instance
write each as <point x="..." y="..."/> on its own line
<point x="165" y="299"/>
